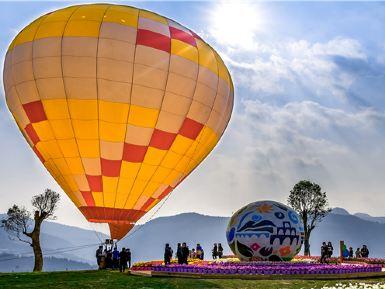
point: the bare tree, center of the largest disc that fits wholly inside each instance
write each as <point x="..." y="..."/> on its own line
<point x="308" y="200"/>
<point x="18" y="222"/>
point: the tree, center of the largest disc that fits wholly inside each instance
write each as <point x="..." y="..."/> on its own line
<point x="18" y="222"/>
<point x="311" y="204"/>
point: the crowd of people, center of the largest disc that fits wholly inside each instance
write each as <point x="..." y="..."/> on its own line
<point x="360" y="252"/>
<point x="108" y="258"/>
<point x="327" y="252"/>
<point x="217" y="251"/>
<point x="183" y="253"/>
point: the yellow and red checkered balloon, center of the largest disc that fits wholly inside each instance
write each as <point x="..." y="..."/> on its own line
<point x="120" y="105"/>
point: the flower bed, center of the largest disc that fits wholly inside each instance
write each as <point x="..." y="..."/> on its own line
<point x="147" y="266"/>
<point x="266" y="268"/>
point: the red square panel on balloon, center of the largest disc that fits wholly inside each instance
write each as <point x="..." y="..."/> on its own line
<point x="95" y="183"/>
<point x="35" y="111"/>
<point x="190" y="128"/>
<point x="32" y="134"/>
<point x="165" y="192"/>
<point x="134" y="153"/>
<point x="162" y="139"/>
<point x="182" y="36"/>
<point x="88" y="198"/>
<point x="147" y="204"/>
<point x="110" y="168"/>
<point x="39" y="155"/>
<point x="153" y="39"/>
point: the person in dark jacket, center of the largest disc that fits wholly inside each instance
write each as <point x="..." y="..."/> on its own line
<point x="364" y="252"/>
<point x="128" y="252"/>
<point x="220" y="251"/>
<point x="330" y="250"/>
<point x="179" y="254"/>
<point x="215" y="251"/>
<point x="358" y="253"/>
<point x="185" y="253"/>
<point x="123" y="260"/>
<point x="98" y="255"/>
<point x="109" y="263"/>
<point x="167" y="255"/>
<point x="324" y="252"/>
<point x="115" y="258"/>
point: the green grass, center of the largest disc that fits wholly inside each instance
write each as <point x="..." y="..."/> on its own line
<point x="106" y="279"/>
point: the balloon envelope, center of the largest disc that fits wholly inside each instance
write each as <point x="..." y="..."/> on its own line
<point x="119" y="104"/>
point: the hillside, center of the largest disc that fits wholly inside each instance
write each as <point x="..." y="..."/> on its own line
<point x="13" y="263"/>
<point x="54" y="236"/>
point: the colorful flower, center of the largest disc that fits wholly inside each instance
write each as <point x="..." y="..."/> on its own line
<point x="264" y="208"/>
<point x="284" y="251"/>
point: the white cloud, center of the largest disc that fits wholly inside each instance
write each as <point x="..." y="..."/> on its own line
<point x="308" y="67"/>
<point x="268" y="148"/>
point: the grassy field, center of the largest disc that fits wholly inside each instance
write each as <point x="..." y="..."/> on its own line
<point x="105" y="279"/>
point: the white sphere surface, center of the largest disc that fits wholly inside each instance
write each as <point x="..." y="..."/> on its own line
<point x="265" y="230"/>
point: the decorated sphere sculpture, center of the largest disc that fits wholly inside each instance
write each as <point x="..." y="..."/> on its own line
<point x="265" y="230"/>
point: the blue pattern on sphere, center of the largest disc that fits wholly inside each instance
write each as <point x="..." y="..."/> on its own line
<point x="265" y="230"/>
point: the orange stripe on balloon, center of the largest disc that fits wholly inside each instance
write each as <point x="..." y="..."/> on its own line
<point x="111" y="215"/>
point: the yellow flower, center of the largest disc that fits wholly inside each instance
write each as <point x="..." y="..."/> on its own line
<point x="264" y="208"/>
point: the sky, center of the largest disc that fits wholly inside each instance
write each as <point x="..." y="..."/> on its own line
<point x="309" y="83"/>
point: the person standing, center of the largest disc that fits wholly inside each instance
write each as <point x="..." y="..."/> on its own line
<point x="179" y="254"/>
<point x="167" y="255"/>
<point x="220" y="251"/>
<point x="358" y="253"/>
<point x="109" y="263"/>
<point x="128" y="252"/>
<point x="364" y="251"/>
<point x="192" y="254"/>
<point x="185" y="253"/>
<point x="351" y="253"/>
<point x="215" y="251"/>
<point x="199" y="251"/>
<point x="123" y="260"/>
<point x="98" y="255"/>
<point x="324" y="252"/>
<point x="330" y="250"/>
<point x="115" y="258"/>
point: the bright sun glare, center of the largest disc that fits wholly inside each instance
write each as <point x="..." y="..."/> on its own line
<point x="234" y="23"/>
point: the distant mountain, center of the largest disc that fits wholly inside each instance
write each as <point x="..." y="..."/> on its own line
<point x="147" y="241"/>
<point x="339" y="211"/>
<point x="13" y="263"/>
<point x="370" y="218"/>
<point x="56" y="236"/>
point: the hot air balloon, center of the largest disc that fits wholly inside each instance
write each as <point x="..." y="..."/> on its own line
<point x="120" y="104"/>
